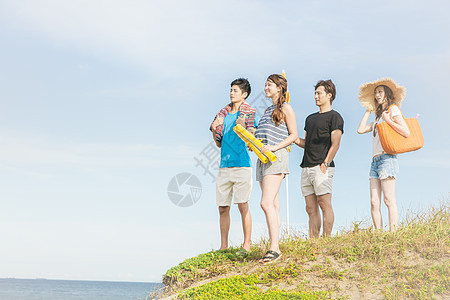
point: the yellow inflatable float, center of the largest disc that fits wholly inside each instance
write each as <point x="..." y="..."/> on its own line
<point x="254" y="144"/>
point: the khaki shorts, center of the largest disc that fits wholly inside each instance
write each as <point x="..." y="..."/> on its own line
<point x="315" y="182"/>
<point x="233" y="181"/>
<point x="279" y="166"/>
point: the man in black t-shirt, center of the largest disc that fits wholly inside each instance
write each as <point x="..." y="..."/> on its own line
<point x="323" y="131"/>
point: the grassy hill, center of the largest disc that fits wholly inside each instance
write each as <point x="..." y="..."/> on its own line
<point x="360" y="263"/>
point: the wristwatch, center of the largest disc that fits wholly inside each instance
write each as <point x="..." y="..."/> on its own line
<point x="326" y="164"/>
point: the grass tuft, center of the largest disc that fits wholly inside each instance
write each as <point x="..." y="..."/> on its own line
<point x="360" y="262"/>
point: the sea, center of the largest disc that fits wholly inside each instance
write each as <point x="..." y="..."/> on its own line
<point x="46" y="289"/>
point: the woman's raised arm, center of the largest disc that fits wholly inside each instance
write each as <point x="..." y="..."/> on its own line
<point x="363" y="126"/>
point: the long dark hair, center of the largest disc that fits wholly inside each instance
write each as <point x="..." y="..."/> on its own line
<point x="390" y="100"/>
<point x="281" y="82"/>
<point x="381" y="107"/>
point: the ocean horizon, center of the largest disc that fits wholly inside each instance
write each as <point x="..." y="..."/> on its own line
<point x="55" y="289"/>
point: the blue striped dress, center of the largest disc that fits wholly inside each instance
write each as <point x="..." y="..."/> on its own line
<point x="268" y="132"/>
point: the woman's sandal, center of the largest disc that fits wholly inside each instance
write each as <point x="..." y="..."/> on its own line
<point x="270" y="257"/>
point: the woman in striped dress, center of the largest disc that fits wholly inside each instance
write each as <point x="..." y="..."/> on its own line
<point x="277" y="129"/>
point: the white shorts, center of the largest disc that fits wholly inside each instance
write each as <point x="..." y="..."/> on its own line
<point x="233" y="181"/>
<point x="314" y="181"/>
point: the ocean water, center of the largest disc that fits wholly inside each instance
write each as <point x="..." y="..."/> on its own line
<point x="43" y="289"/>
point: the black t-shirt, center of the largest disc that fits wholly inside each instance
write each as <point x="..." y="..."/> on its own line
<point x="318" y="127"/>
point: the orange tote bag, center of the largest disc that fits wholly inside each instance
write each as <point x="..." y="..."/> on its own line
<point x="394" y="143"/>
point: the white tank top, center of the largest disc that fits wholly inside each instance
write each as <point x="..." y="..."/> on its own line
<point x="377" y="149"/>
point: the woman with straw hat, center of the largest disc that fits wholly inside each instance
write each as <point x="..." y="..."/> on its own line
<point x="383" y="97"/>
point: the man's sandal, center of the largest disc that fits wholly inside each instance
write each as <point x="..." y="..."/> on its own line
<point x="270" y="257"/>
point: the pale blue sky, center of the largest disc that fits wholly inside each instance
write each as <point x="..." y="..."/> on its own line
<point x="103" y="102"/>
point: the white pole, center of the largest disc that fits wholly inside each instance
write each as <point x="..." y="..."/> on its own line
<point x="287" y="204"/>
<point x="283" y="73"/>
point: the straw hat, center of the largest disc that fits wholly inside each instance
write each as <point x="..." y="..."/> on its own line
<point x="366" y="92"/>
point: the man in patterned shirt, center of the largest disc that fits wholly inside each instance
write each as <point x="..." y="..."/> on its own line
<point x="235" y="172"/>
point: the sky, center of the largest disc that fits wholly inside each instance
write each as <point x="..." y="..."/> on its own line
<point x="104" y="103"/>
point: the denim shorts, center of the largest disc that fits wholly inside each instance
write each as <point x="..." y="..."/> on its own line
<point x="384" y="166"/>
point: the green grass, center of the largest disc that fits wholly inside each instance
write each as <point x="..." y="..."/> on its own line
<point x="412" y="262"/>
<point x="246" y="287"/>
<point x="205" y="265"/>
<point x="421" y="283"/>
